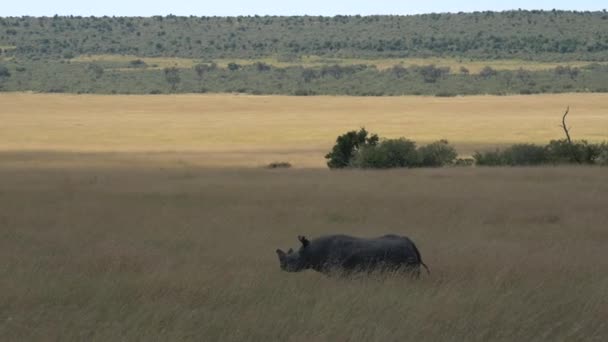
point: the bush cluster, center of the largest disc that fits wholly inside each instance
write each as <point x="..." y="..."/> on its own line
<point x="360" y="149"/>
<point x="347" y="146"/>
<point x="556" y="152"/>
<point x="355" y="149"/>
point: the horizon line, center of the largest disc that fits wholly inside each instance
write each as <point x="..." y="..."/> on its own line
<point x="307" y="15"/>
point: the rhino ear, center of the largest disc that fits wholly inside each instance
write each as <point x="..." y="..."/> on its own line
<point x="303" y="240"/>
<point x="281" y="254"/>
<point x="290" y="251"/>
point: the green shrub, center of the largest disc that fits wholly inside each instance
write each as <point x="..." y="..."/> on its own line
<point x="95" y="70"/>
<point x="580" y="152"/>
<point x="304" y="92"/>
<point x="137" y="63"/>
<point x="602" y="158"/>
<point x="556" y="152"/>
<point x="488" y="72"/>
<point x="390" y="153"/>
<point x="233" y="66"/>
<point x="259" y="66"/>
<point x="446" y="94"/>
<point x="437" y="154"/>
<point x="561" y="152"/>
<point x="172" y="77"/>
<point x="4" y="72"/>
<point x="524" y="154"/>
<point x="368" y="157"/>
<point x="488" y="158"/>
<point x="431" y="73"/>
<point x="203" y="68"/>
<point x="590" y="152"/>
<point x="347" y="145"/>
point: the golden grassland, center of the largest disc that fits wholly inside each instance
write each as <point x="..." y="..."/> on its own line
<point x="455" y="64"/>
<point x="141" y="252"/>
<point x="241" y="130"/>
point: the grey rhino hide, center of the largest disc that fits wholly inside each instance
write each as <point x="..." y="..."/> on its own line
<point x="347" y="254"/>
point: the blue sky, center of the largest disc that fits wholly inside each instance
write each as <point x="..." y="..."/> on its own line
<point x="275" y="7"/>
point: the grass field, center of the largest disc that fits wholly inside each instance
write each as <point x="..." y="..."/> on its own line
<point x="239" y="130"/>
<point x="141" y="218"/>
<point x="142" y="253"/>
<point x="474" y="66"/>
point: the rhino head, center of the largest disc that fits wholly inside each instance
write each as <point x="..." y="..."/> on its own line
<point x="293" y="261"/>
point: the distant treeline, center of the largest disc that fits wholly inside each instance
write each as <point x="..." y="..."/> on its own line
<point x="532" y="35"/>
<point x="260" y="78"/>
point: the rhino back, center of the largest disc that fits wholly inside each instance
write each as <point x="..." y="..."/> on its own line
<point x="327" y="251"/>
<point x="347" y="251"/>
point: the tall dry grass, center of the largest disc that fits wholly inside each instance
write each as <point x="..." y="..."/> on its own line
<point x="140" y="252"/>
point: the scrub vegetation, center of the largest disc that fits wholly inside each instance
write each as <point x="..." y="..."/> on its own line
<point x="516" y="52"/>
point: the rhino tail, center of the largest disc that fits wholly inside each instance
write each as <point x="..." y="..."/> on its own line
<point x="428" y="271"/>
<point x="425" y="267"/>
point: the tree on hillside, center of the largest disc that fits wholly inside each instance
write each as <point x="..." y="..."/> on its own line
<point x="259" y="66"/>
<point x="96" y="70"/>
<point x="431" y="73"/>
<point x="201" y="70"/>
<point x="487" y="72"/>
<point x="172" y="77"/>
<point x="233" y="66"/>
<point x="4" y="72"/>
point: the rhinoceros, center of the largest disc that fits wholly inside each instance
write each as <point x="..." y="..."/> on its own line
<point x="347" y="254"/>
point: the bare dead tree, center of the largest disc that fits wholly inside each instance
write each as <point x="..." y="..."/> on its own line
<point x="567" y="131"/>
<point x="566" y="128"/>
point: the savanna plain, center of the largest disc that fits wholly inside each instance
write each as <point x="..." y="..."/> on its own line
<point x="151" y="218"/>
